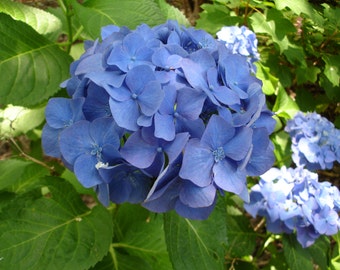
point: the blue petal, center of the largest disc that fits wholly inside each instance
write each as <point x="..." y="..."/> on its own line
<point x="125" y="113"/>
<point x="200" y="213"/>
<point x="50" y="141"/>
<point x="197" y="164"/>
<point x="228" y="178"/>
<point x="75" y="140"/>
<point x="238" y="147"/>
<point x="86" y="172"/>
<point x="195" y="196"/>
<point x="174" y="148"/>
<point x="164" y="127"/>
<point x="218" y="132"/>
<point x="102" y="131"/>
<point x="151" y="98"/>
<point x="137" y="152"/>
<point x="190" y="103"/>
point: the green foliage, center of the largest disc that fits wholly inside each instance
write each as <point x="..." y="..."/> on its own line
<point x="197" y="244"/>
<point x="45" y="224"/>
<point x="31" y="66"/>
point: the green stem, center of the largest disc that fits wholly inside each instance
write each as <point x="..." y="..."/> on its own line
<point x="67" y="9"/>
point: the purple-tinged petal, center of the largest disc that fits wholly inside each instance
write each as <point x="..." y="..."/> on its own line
<point x="195" y="196"/>
<point x="125" y="113"/>
<point x="86" y="172"/>
<point x="238" y="147"/>
<point x="197" y="164"/>
<point x="218" y="132"/>
<point x="201" y="213"/>
<point x="164" y="127"/>
<point x="174" y="148"/>
<point x="137" y="152"/>
<point x="50" y="141"/>
<point x="151" y="98"/>
<point x="228" y="178"/>
<point x="75" y="140"/>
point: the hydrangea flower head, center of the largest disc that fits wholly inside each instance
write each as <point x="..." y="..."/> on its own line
<point x="166" y="116"/>
<point x="315" y="141"/>
<point x="294" y="200"/>
<point x="240" y="40"/>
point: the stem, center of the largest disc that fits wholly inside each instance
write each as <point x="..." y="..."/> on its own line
<point x="67" y="9"/>
<point x="29" y="157"/>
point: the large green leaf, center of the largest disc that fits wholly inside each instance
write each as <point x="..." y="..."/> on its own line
<point x="194" y="244"/>
<point x="300" y="6"/>
<point x="241" y="236"/>
<point x="296" y="256"/>
<point x="140" y="235"/>
<point x="31" y="67"/>
<point x="284" y="105"/>
<point x="19" y="176"/>
<point x="41" y="21"/>
<point x="332" y="68"/>
<point x="95" y="14"/>
<point x="53" y="230"/>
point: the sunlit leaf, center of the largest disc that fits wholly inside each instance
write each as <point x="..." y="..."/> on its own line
<point x="53" y="231"/>
<point x="31" y="67"/>
<point x="41" y="21"/>
<point x="298" y="7"/>
<point x="94" y="14"/>
<point x="332" y="68"/>
<point x="284" y="105"/>
<point x="17" y="120"/>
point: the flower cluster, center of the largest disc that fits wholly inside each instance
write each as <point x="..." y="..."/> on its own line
<point x="240" y="40"/>
<point x="294" y="200"/>
<point x="163" y="116"/>
<point x="315" y="141"/>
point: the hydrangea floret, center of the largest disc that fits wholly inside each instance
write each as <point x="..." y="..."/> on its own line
<point x="293" y="200"/>
<point x="165" y="116"/>
<point x="315" y="141"/>
<point x="240" y="40"/>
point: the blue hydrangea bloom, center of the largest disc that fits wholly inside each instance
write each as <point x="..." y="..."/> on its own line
<point x="293" y="200"/>
<point x="240" y="40"/>
<point x="60" y="114"/>
<point x="315" y="141"/>
<point x="167" y="116"/>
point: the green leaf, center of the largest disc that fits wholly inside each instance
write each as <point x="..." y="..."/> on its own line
<point x="306" y="74"/>
<point x="319" y="251"/>
<point x="241" y="237"/>
<point x="332" y="92"/>
<point x="284" y="105"/>
<point x="261" y="24"/>
<point x="53" y="231"/>
<point x="214" y="17"/>
<point x="295" y="55"/>
<point x="300" y="6"/>
<point x="20" y="176"/>
<point x="31" y="67"/>
<point x="270" y="82"/>
<point x="172" y="13"/>
<point x="94" y="14"/>
<point x="196" y="244"/>
<point x="18" y="120"/>
<point x="332" y="68"/>
<point x="139" y="240"/>
<point x="282" y="148"/>
<point x="297" y="257"/>
<point x="41" y="21"/>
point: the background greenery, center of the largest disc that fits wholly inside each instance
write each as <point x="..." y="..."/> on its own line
<point x="49" y="221"/>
